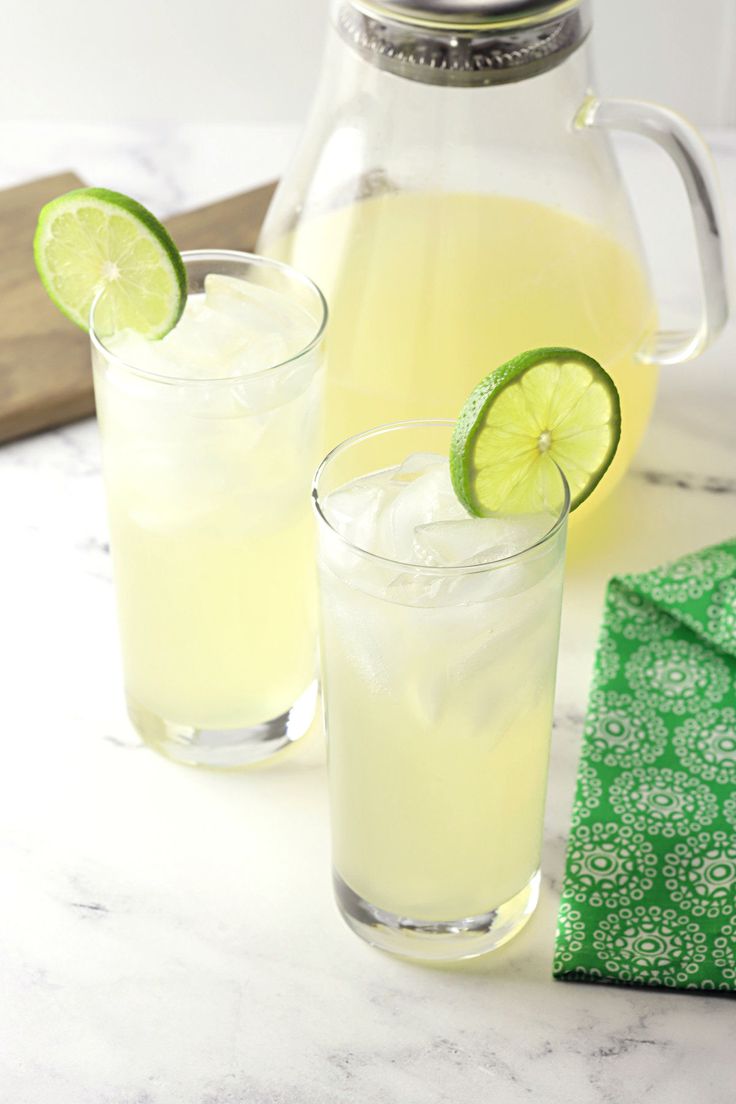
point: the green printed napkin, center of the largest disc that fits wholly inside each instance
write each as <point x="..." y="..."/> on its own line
<point x="649" y="895"/>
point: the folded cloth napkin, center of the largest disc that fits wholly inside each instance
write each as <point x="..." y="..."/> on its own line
<point x="649" y="895"/>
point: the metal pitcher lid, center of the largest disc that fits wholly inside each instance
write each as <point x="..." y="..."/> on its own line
<point x="464" y="43"/>
<point x="458" y="12"/>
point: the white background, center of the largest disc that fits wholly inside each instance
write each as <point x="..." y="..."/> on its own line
<point x="259" y="60"/>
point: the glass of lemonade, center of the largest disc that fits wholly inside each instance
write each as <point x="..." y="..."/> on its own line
<point x="209" y="439"/>
<point x="439" y="651"/>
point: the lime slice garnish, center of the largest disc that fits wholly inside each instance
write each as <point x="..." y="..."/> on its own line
<point x="546" y="408"/>
<point x="93" y="239"/>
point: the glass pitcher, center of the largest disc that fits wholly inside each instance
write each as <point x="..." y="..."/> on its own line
<point x="456" y="197"/>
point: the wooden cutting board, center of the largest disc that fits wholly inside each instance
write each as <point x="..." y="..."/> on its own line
<point x="45" y="374"/>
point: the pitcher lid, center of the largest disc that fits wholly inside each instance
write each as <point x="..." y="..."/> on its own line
<point x="464" y="42"/>
<point x="463" y="12"/>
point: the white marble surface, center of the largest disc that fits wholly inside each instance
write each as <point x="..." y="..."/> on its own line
<point x="168" y="936"/>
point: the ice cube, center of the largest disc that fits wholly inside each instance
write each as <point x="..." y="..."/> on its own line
<point x="429" y="495"/>
<point x="204" y="344"/>
<point x="260" y="311"/>
<point x="410" y="514"/>
<point x="473" y="541"/>
<point x="258" y="353"/>
<point x="296" y="385"/>
<point x="426" y="589"/>
<point x="354" y="511"/>
<point x="452" y="543"/>
<point x="235" y="329"/>
<point x="248" y="303"/>
<point x="134" y="349"/>
<point x="415" y="588"/>
<point x="357" y="629"/>
<point x="416" y="464"/>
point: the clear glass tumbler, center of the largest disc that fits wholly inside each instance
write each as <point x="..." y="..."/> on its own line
<point x="207" y="483"/>
<point x="438" y="687"/>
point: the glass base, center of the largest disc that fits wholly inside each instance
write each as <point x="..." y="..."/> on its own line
<point x="225" y="748"/>
<point x="437" y="941"/>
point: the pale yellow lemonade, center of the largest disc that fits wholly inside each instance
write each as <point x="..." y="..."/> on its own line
<point x="429" y="292"/>
<point x="438" y="694"/>
<point x="207" y="461"/>
<point x="215" y="617"/>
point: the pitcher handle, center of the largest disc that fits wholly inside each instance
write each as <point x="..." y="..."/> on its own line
<point x="691" y="156"/>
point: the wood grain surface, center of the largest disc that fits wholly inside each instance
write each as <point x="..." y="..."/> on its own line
<point x="45" y="374"/>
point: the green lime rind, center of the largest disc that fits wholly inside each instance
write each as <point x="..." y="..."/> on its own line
<point x="93" y="239"/>
<point x="545" y="409"/>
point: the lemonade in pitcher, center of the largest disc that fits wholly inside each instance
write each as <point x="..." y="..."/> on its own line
<point x="428" y="290"/>
<point x="457" y="196"/>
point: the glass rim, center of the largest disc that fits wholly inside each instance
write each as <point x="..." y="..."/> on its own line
<point x="224" y="255"/>
<point x="450" y="569"/>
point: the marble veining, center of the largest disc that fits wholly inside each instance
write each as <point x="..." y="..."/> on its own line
<point x="685" y="481"/>
<point x="168" y="936"/>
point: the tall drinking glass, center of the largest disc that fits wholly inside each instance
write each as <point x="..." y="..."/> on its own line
<point x="208" y="439"/>
<point x="438" y="685"/>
